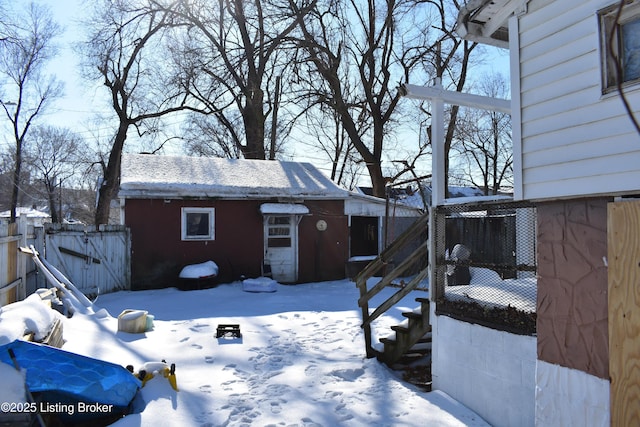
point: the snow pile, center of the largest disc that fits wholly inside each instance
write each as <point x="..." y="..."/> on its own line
<point x="199" y="271"/>
<point x="489" y="289"/>
<point x="260" y="284"/>
<point x="13" y="389"/>
<point x="300" y="360"/>
<point x="26" y="211"/>
<point x="29" y="316"/>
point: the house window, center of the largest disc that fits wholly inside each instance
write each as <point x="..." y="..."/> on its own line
<point x="198" y="223"/>
<point x="279" y="232"/>
<point x="620" y="45"/>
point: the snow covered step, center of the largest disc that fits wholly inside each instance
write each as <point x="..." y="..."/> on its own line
<point x="392" y="338"/>
<point x="425" y="339"/>
<point x="412" y="337"/>
<point x="416" y="320"/>
<point x="424" y="303"/>
<point x="421" y="347"/>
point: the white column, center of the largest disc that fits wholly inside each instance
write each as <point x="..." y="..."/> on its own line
<point x="437" y="148"/>
<point x="516" y="120"/>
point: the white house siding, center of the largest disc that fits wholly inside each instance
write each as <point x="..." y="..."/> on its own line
<point x="492" y="372"/>
<point x="568" y="397"/>
<point x="575" y="141"/>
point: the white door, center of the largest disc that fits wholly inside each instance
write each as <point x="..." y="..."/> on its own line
<point x="281" y="246"/>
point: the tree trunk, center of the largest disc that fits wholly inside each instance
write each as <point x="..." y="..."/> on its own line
<point x="52" y="204"/>
<point x="274" y="122"/>
<point x="253" y="118"/>
<point x="16" y="181"/>
<point x="377" y="179"/>
<point x="111" y="181"/>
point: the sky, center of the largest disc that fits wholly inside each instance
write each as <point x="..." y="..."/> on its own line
<point x="82" y="99"/>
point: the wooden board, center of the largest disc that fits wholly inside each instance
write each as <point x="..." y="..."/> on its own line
<point x="623" y="239"/>
<point x="9" y="265"/>
<point x="97" y="262"/>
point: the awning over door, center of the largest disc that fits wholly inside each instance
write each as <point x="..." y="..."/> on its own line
<point x="283" y="209"/>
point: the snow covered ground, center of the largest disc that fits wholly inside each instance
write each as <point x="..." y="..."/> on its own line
<point x="489" y="289"/>
<point x="300" y="361"/>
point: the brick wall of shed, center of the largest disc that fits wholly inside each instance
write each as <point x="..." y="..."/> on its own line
<point x="572" y="286"/>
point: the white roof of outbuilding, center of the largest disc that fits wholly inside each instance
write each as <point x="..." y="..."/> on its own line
<point x="154" y="176"/>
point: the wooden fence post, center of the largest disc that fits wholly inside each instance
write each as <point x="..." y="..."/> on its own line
<point x="21" y="261"/>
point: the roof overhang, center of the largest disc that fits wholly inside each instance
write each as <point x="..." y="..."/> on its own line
<point x="216" y="194"/>
<point x="487" y="21"/>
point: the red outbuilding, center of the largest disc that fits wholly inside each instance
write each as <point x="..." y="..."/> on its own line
<point x="251" y="217"/>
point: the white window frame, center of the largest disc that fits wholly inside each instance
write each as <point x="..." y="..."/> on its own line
<point x="197" y="237"/>
<point x="606" y="18"/>
<point x="278" y="228"/>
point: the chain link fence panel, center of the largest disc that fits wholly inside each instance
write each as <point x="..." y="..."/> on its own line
<point x="485" y="265"/>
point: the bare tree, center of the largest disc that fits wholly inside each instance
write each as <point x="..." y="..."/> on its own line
<point x="363" y="49"/>
<point x="126" y="47"/>
<point x="6" y="176"/>
<point x="216" y="135"/>
<point x="449" y="64"/>
<point x="325" y="133"/>
<point x="53" y="155"/>
<point x="483" y="140"/>
<point x="27" y="91"/>
<point x="234" y="59"/>
<point x="4" y="25"/>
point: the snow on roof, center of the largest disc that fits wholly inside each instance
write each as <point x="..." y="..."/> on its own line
<point x="462" y="194"/>
<point x="29" y="212"/>
<point x="475" y="199"/>
<point x="284" y="208"/>
<point x="151" y="176"/>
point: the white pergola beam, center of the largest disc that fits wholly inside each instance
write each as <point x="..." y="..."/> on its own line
<point x="438" y="97"/>
<point x="456" y="98"/>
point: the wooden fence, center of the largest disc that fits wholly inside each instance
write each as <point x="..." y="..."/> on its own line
<point x="491" y="240"/>
<point x="18" y="276"/>
<point x="96" y="261"/>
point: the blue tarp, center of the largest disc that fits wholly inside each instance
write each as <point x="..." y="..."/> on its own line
<point x="89" y="380"/>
